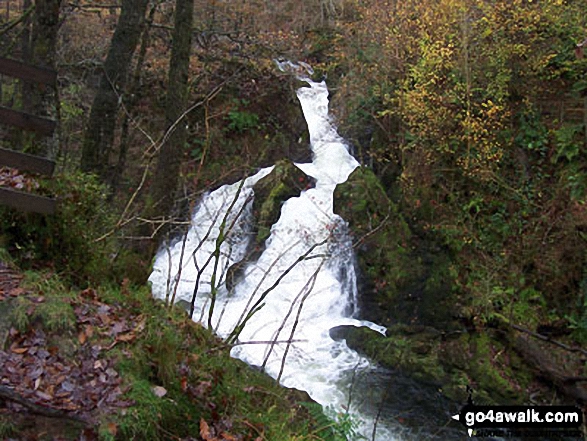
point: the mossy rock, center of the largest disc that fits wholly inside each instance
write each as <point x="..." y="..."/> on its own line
<point x="406" y="284"/>
<point x="449" y="363"/>
<point x="491" y="368"/>
<point x="482" y="361"/>
<point x="414" y="355"/>
<point x="285" y="181"/>
<point x="382" y="236"/>
<point x="402" y="277"/>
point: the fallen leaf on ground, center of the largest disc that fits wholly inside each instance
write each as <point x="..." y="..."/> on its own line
<point x="159" y="391"/>
<point x="43" y="395"/>
<point x="129" y="336"/>
<point x="112" y="429"/>
<point x="140" y="326"/>
<point x="82" y="337"/>
<point x="90" y="293"/>
<point x="205" y="431"/>
<point x="104" y="318"/>
<point x="16" y="292"/>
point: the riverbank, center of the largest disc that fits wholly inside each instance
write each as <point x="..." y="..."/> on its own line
<point x="112" y="363"/>
<point x="517" y="352"/>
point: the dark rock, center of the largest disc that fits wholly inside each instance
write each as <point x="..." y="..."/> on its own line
<point x="284" y="182"/>
<point x="401" y="278"/>
<point x="235" y="273"/>
<point x="282" y="109"/>
<point x="382" y="239"/>
<point x="423" y="354"/>
<point x="405" y="284"/>
<point x="339" y="333"/>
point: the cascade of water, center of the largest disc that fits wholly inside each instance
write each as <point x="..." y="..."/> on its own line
<point x="295" y="301"/>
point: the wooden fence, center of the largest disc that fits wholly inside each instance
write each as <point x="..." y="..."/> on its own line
<point x="22" y="120"/>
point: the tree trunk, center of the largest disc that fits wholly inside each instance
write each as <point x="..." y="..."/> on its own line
<point x="167" y="172"/>
<point x="38" y="46"/>
<point x="134" y="93"/>
<point x="45" y="100"/>
<point x="99" y="136"/>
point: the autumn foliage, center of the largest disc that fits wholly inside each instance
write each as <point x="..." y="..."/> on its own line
<point x="477" y="111"/>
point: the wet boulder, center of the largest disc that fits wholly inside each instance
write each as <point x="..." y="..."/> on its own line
<point x="381" y="239"/>
<point x="285" y="181"/>
<point x="402" y="278"/>
<point x="409" y="350"/>
<point x="450" y="361"/>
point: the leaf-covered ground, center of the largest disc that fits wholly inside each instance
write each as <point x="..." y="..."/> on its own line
<point x="115" y="364"/>
<point x="40" y="372"/>
<point x="13" y="178"/>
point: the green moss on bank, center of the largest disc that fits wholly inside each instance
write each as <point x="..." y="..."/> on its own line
<point x="176" y="376"/>
<point x="450" y="362"/>
<point x="202" y="382"/>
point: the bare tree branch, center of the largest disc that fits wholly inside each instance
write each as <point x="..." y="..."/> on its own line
<point x="9" y="26"/>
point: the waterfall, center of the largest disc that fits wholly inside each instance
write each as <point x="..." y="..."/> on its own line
<point x="282" y="298"/>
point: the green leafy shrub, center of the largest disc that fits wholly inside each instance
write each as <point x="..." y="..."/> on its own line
<point x="68" y="238"/>
<point x="54" y="312"/>
<point x="568" y="142"/>
<point x="241" y="120"/>
<point x="332" y="426"/>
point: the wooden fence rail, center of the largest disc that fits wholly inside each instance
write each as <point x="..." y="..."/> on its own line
<point x="27" y="202"/>
<point x="26" y="72"/>
<point x="26" y="162"/>
<point x="26" y="121"/>
<point x="14" y="198"/>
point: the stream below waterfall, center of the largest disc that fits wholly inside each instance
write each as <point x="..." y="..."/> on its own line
<point x="302" y="285"/>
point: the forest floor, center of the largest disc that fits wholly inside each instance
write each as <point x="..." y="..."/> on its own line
<point x="46" y="393"/>
<point x="115" y="364"/>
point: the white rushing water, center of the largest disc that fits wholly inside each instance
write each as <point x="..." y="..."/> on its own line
<point x="290" y="299"/>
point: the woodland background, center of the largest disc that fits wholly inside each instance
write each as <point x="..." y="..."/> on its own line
<point x="472" y="115"/>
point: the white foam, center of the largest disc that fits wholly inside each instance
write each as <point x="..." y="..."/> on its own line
<point x="311" y="297"/>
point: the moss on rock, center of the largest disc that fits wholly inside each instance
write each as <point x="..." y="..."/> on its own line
<point x="382" y="239"/>
<point x="285" y="181"/>
<point x="450" y="362"/>
<point x="406" y="285"/>
<point x="402" y="278"/>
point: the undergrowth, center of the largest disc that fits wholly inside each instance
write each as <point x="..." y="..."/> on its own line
<point x="204" y="383"/>
<point x="51" y="305"/>
<point x="76" y="241"/>
<point x="177" y="375"/>
<point x="201" y="382"/>
<point x="7" y="427"/>
<point x="333" y="427"/>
